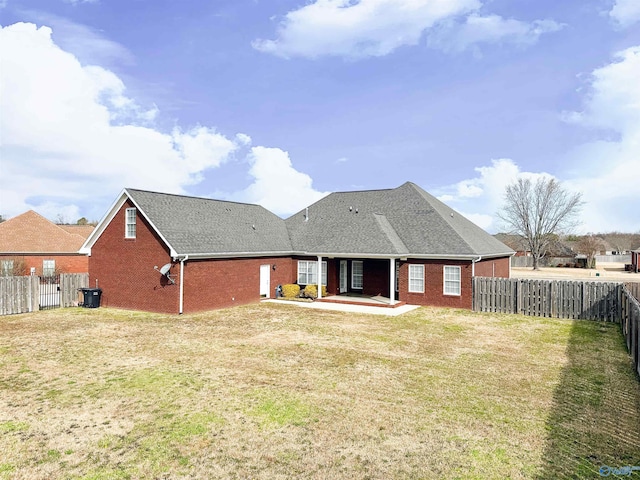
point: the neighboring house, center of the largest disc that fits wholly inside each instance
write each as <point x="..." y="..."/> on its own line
<point x="515" y="242"/>
<point x="31" y="243"/>
<point x="634" y="266"/>
<point x="399" y="243"/>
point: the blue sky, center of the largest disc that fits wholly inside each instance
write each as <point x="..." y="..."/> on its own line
<point x="280" y="102"/>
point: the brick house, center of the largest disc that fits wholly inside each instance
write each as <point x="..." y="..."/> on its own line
<point x="31" y="243"/>
<point x="400" y="243"/>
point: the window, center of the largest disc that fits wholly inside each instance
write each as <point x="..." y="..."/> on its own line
<point x="416" y="278"/>
<point x="48" y="268"/>
<point x="307" y="272"/>
<point x="130" y="223"/>
<point x="6" y="268"/>
<point x="451" y="280"/>
<point x="356" y="274"/>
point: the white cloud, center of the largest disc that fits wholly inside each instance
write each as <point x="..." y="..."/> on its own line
<point x="87" y="44"/>
<point x="358" y="28"/>
<point x="625" y="12"/>
<point x="481" y="197"/>
<point x="606" y="173"/>
<point x="362" y="28"/>
<point x="614" y="100"/>
<point x="475" y="29"/>
<point x="71" y="136"/>
<point x="277" y="185"/>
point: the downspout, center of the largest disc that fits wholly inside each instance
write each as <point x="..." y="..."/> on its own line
<point x="392" y="281"/>
<point x="182" y="260"/>
<point x="319" y="275"/>
<point x="473" y="265"/>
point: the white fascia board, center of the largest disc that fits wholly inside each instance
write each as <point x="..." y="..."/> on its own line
<point x="204" y="256"/>
<point x="102" y="224"/>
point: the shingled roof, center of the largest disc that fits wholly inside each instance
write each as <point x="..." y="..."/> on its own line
<point x="30" y="232"/>
<point x="404" y="221"/>
<point x="201" y="226"/>
<point x="399" y="222"/>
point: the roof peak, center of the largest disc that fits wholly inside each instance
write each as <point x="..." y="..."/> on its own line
<point x="182" y="195"/>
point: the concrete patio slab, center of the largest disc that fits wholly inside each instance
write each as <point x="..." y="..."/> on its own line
<point x="343" y="307"/>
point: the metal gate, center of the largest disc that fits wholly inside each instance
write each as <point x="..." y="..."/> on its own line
<point x="49" y="292"/>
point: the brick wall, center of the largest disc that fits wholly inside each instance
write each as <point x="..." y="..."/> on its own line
<point x="375" y="278"/>
<point x="493" y="267"/>
<point x="124" y="268"/>
<point x="70" y="263"/>
<point x="434" y="284"/>
<point x="219" y="283"/>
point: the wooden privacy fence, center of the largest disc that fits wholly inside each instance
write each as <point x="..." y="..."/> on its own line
<point x="630" y="321"/>
<point x="549" y="298"/>
<point x="633" y="289"/>
<point x="23" y="294"/>
<point x="19" y="294"/>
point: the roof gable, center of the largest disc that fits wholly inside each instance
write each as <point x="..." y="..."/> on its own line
<point x="30" y="232"/>
<point x="205" y="227"/>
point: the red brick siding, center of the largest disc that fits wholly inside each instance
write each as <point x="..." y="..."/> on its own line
<point x="64" y="263"/>
<point x="333" y="276"/>
<point x="125" y="273"/>
<point x="219" y="283"/>
<point x="124" y="268"/>
<point x="434" y="284"/>
<point x="375" y="278"/>
<point x="493" y="267"/>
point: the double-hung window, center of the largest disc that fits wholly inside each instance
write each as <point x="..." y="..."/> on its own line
<point x="130" y="223"/>
<point x="357" y="272"/>
<point x="416" y="278"/>
<point x="451" y="280"/>
<point x="48" y="268"/>
<point x="307" y="272"/>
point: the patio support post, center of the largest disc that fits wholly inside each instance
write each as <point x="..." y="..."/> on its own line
<point x="392" y="281"/>
<point x="319" y="276"/>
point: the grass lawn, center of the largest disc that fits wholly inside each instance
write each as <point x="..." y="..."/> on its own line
<point x="275" y="391"/>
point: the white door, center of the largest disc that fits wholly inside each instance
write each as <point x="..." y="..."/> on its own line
<point x="265" y="280"/>
<point x="343" y="276"/>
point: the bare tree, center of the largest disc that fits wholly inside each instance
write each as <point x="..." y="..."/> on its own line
<point x="539" y="211"/>
<point x="590" y="245"/>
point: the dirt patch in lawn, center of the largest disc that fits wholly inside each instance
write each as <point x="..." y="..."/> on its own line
<point x="276" y="391"/>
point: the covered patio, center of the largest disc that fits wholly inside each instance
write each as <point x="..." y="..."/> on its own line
<point x="361" y="299"/>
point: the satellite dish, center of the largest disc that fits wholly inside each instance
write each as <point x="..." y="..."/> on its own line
<point x="165" y="272"/>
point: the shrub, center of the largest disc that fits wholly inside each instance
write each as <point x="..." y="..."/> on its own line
<point x="290" y="290"/>
<point x="311" y="291"/>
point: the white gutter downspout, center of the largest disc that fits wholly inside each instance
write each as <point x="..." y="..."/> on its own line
<point x="319" y="276"/>
<point x="473" y="265"/>
<point x="392" y="281"/>
<point x="182" y="260"/>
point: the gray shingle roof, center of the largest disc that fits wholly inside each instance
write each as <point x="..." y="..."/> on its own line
<point x="400" y="221"/>
<point x="403" y="221"/>
<point x="194" y="225"/>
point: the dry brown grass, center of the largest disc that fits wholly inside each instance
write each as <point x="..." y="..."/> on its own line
<point x="276" y="391"/>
